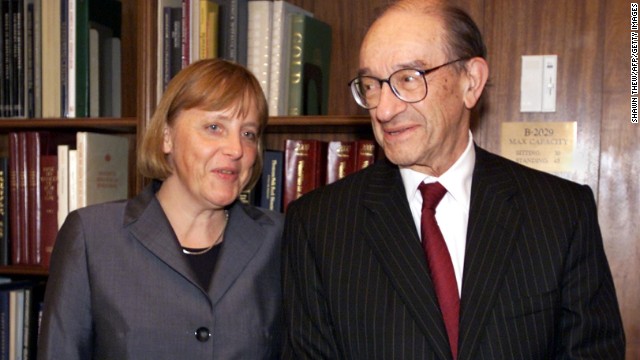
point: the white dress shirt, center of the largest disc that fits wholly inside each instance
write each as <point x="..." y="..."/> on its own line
<point x="452" y="213"/>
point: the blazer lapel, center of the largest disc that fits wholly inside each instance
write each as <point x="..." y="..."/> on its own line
<point x="242" y="240"/>
<point x="492" y="229"/>
<point x="147" y="222"/>
<point x="393" y="236"/>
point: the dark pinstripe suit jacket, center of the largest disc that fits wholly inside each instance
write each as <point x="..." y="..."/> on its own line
<point x="536" y="280"/>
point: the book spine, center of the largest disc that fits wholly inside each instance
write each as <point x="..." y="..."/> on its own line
<point x="259" y="41"/>
<point x="81" y="166"/>
<point x="166" y="48"/>
<point x="176" y="41"/>
<point x="63" y="183"/>
<point x="15" y="231"/>
<point x="29" y="59"/>
<point x="7" y="15"/>
<point x="304" y="167"/>
<point x="82" y="48"/>
<point x="186" y="33"/>
<point x="37" y="59"/>
<point x="32" y="256"/>
<point x="295" y="65"/>
<point x="73" y="179"/>
<point x="49" y="207"/>
<point x="4" y="211"/>
<point x="271" y="180"/>
<point x="365" y="154"/>
<point x="3" y="77"/>
<point x="18" y="58"/>
<point x="51" y="58"/>
<point x="64" y="56"/>
<point x="22" y="255"/>
<point x="71" y="59"/>
<point x="340" y="160"/>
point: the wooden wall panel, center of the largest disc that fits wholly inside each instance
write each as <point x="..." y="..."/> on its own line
<point x="619" y="195"/>
<point x="569" y="29"/>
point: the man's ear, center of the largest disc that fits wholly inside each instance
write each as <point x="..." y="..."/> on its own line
<point x="477" y="73"/>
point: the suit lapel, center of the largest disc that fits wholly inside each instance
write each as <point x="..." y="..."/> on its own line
<point x="493" y="223"/>
<point x="394" y="239"/>
<point x="242" y="240"/>
<point x="147" y="222"/>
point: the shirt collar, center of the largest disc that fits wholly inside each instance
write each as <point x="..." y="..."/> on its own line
<point x="457" y="179"/>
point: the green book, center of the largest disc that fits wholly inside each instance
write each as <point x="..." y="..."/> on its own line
<point x="309" y="68"/>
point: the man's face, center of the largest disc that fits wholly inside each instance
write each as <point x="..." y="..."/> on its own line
<point x="427" y="136"/>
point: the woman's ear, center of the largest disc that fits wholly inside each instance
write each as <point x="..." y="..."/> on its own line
<point x="167" y="143"/>
<point x="477" y="73"/>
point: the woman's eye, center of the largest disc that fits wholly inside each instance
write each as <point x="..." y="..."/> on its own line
<point x="250" y="135"/>
<point x="214" y="127"/>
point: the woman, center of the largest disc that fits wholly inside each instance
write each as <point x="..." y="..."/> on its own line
<point x="184" y="270"/>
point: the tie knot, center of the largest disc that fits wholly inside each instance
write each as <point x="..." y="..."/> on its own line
<point x="431" y="194"/>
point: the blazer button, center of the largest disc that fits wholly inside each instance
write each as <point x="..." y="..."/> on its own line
<point x="202" y="334"/>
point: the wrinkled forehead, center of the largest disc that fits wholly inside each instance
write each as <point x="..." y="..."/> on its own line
<point x="400" y="37"/>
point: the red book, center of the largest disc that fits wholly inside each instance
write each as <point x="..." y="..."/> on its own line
<point x="48" y="206"/>
<point x="341" y="159"/>
<point x="31" y="251"/>
<point x="305" y="167"/>
<point x="365" y="154"/>
<point x="15" y="229"/>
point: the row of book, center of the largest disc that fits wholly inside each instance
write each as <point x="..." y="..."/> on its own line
<point x="47" y="175"/>
<point x="285" y="46"/>
<point x="60" y="58"/>
<point x="304" y="165"/>
<point x="20" y="314"/>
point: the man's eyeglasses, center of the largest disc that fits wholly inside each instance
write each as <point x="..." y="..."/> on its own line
<point x="408" y="85"/>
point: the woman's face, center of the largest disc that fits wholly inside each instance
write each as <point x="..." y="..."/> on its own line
<point x="212" y="154"/>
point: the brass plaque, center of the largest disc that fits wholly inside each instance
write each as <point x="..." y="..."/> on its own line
<point x="546" y="146"/>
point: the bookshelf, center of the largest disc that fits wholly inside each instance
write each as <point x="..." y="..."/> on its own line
<point x="589" y="90"/>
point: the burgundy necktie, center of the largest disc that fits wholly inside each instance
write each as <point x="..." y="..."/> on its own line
<point x="439" y="262"/>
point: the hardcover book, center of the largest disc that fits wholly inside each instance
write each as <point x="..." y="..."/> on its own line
<point x="49" y="208"/>
<point x="305" y="167"/>
<point x="4" y="211"/>
<point x="271" y="181"/>
<point x="280" y="55"/>
<point x="341" y="159"/>
<point x="259" y="41"/>
<point x="51" y="58"/>
<point x="102" y="168"/>
<point x="310" y="64"/>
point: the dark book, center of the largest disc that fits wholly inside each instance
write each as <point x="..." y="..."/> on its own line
<point x="271" y="185"/>
<point x="15" y="230"/>
<point x="309" y="67"/>
<point x="18" y="84"/>
<point x="3" y="101"/>
<point x="64" y="57"/>
<point x="305" y="167"/>
<point x="341" y="159"/>
<point x="31" y="246"/>
<point x="7" y="57"/>
<point x="4" y="211"/>
<point x="185" y="33"/>
<point x="29" y="59"/>
<point x="232" y="35"/>
<point x="176" y="43"/>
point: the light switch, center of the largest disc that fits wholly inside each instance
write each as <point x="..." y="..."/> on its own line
<point x="538" y="83"/>
<point x="549" y="74"/>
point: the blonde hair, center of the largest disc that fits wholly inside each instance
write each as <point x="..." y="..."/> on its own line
<point x="211" y="85"/>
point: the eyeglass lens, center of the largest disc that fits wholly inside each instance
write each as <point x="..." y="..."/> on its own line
<point x="407" y="84"/>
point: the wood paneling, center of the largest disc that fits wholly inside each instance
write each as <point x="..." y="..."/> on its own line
<point x="619" y="185"/>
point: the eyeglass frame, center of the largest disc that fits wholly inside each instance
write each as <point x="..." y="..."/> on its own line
<point x="422" y="73"/>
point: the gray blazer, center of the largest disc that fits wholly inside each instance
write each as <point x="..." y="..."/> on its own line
<point x="120" y="288"/>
